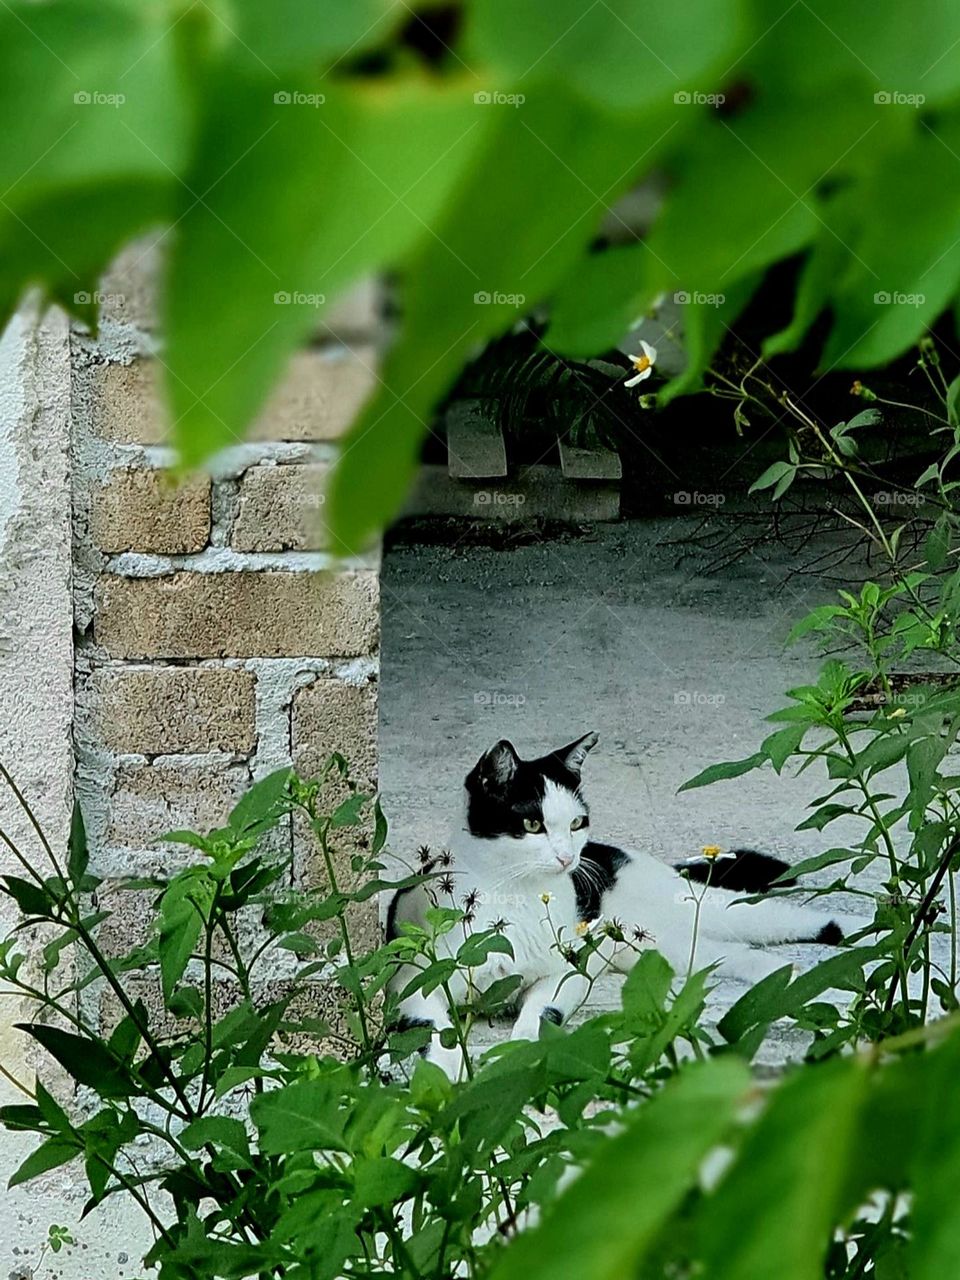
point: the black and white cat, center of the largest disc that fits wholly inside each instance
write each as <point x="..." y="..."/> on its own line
<point x="523" y="854"/>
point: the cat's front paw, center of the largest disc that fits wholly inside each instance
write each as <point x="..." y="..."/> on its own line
<point x="450" y="1061"/>
<point x="527" y="1025"/>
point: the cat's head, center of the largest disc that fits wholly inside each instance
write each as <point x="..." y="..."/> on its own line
<point x="532" y="809"/>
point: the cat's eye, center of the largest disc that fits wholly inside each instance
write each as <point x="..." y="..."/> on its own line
<point x="577" y="823"/>
<point x="533" y="825"/>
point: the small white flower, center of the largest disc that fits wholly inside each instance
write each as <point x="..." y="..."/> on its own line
<point x="643" y="364"/>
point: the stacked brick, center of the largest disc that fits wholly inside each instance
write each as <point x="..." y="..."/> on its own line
<point x="218" y="637"/>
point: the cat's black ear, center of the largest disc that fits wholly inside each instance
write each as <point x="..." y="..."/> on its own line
<point x="498" y="765"/>
<point x="573" y="756"/>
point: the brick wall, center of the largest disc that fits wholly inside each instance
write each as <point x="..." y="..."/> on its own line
<point x="217" y="637"/>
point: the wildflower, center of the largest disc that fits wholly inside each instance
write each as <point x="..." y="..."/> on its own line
<point x="643" y="364"/>
<point x="546" y="898"/>
<point x="582" y="929"/>
<point x="864" y="393"/>
<point x="711" y="851"/>
<point x="445" y="884"/>
<point x="641" y="935"/>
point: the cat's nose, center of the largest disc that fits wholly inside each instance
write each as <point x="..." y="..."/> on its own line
<point x="564" y="860"/>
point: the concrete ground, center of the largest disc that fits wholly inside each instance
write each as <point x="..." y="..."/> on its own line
<point x="621" y="630"/>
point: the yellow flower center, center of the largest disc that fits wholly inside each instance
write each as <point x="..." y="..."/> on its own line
<point x="711" y="851"/>
<point x="642" y="363"/>
<point x="582" y="928"/>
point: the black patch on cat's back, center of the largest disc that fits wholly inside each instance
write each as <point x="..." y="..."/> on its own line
<point x="740" y="871"/>
<point x="596" y="873"/>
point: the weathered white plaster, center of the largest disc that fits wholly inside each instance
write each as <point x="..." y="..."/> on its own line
<point x="36" y="697"/>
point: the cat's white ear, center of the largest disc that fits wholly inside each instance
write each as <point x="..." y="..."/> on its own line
<point x="574" y="755"/>
<point x="499" y="764"/>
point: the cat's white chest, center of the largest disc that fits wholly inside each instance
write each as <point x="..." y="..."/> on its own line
<point x="536" y="925"/>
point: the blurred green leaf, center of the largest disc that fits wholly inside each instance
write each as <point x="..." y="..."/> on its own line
<point x="354" y="176"/>
<point x="639" y="55"/>
<point x="601" y="1228"/>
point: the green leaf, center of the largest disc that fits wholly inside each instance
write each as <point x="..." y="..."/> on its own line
<point x="707" y="320"/>
<point x="53" y="1153"/>
<point x="816" y="620"/>
<point x="297" y="33"/>
<point x="382" y="143"/>
<point x="759" y="167"/>
<point x="350" y="812"/>
<point x="78" y="858"/>
<point x="780" y="746"/>
<point x="379" y="830"/>
<point x="773" y="474"/>
<point x="953" y="402"/>
<point x="220" y="1131"/>
<point x="639" y="56"/>
<point x="788" y="1180"/>
<point x="602" y="1227"/>
<point x="895" y="285"/>
<point x="935" y="1247"/>
<point x="762" y="1004"/>
<point x="183" y="910"/>
<point x="262" y="801"/>
<point x="828" y="255"/>
<point x="600" y="300"/>
<point x="646" y="987"/>
<point x="32" y="899"/>
<point x="86" y="1059"/>
<point x="936" y="547"/>
<point x="721" y="772"/>
<point x="382" y="1180"/>
<point x="494" y="255"/>
<point x="95" y="158"/>
<point x="305" y="1116"/>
